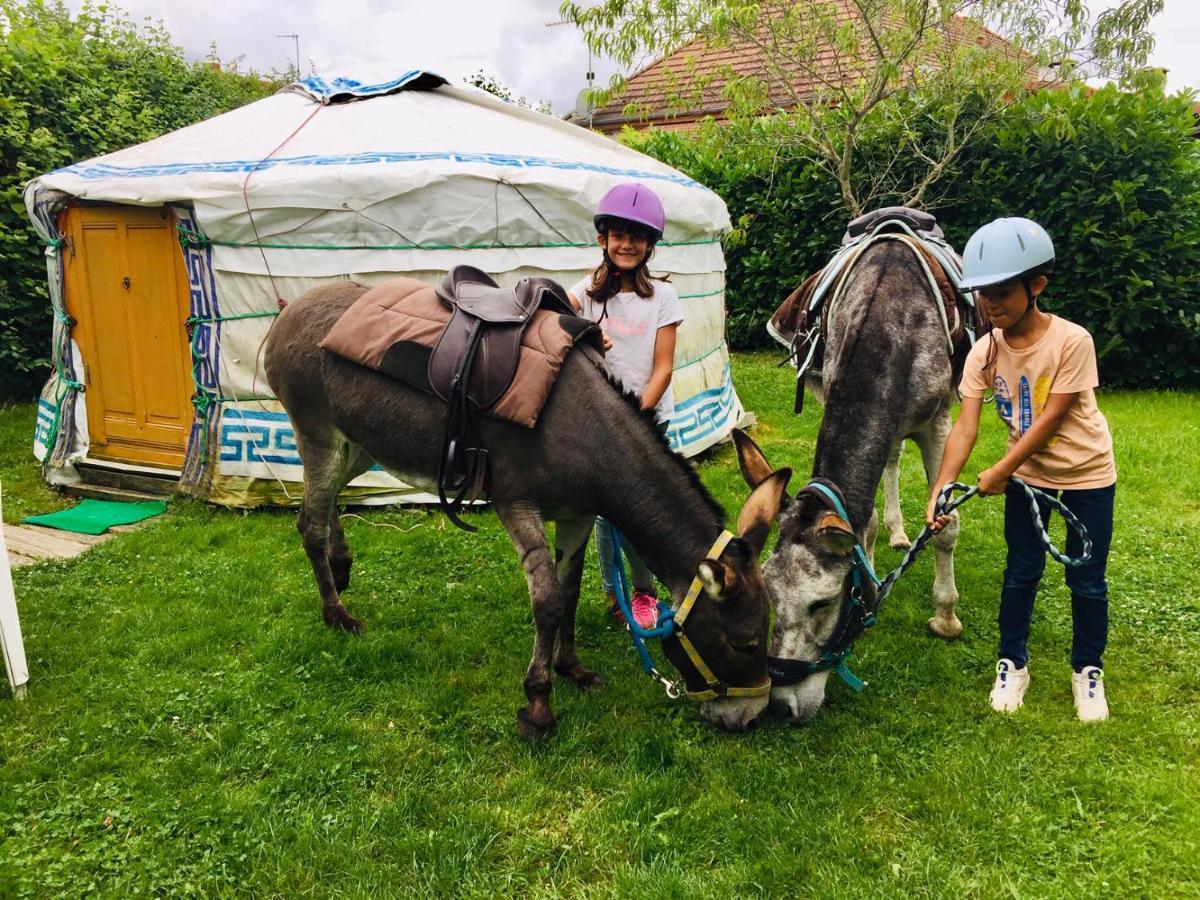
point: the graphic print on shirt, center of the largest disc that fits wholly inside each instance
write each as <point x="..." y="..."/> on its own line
<point x="625" y="327"/>
<point x="1003" y="400"/>
<point x="1041" y="393"/>
<point x="1025" y="405"/>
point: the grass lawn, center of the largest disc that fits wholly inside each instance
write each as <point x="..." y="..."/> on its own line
<point x="193" y="727"/>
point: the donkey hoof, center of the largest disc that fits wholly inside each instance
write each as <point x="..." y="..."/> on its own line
<point x="343" y="621"/>
<point x="534" y="726"/>
<point x="899" y="542"/>
<point x="947" y="629"/>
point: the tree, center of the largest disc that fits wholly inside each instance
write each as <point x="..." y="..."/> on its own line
<point x="496" y="88"/>
<point x="828" y="73"/>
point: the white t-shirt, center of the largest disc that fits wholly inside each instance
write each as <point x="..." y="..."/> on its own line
<point x="631" y="323"/>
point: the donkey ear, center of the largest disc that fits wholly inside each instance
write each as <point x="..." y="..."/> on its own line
<point x="713" y="578"/>
<point x="754" y="521"/>
<point x="835" y="535"/>
<point x="754" y="466"/>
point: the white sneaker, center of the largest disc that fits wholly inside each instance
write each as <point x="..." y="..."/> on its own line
<point x="1088" y="688"/>
<point x="1008" y="693"/>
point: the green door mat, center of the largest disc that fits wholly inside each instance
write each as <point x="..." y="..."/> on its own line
<point x="97" y="516"/>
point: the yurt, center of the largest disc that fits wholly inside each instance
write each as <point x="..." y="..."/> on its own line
<point x="169" y="260"/>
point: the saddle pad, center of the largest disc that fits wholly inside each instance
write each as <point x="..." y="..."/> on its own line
<point x="794" y="314"/>
<point x="394" y="326"/>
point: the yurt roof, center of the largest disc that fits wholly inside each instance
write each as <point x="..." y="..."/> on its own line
<point x="317" y="145"/>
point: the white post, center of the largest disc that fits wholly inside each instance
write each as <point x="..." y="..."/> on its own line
<point x="10" y="626"/>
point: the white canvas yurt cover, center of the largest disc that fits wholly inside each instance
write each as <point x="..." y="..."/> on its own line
<point x="327" y="181"/>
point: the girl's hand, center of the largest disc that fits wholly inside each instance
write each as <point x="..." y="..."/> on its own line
<point x="993" y="481"/>
<point x="938" y="523"/>
<point x="607" y="341"/>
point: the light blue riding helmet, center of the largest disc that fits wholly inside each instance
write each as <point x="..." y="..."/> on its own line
<point x="1005" y="249"/>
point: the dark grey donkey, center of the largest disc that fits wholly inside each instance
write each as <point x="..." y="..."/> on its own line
<point x="593" y="453"/>
<point x="887" y="376"/>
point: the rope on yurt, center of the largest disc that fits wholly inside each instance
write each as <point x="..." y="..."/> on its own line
<point x="205" y="241"/>
<point x="203" y="398"/>
<point x="208" y="320"/>
<point x="250" y="212"/>
<point x="361" y="215"/>
<point x="280" y="303"/>
<point x="496" y="198"/>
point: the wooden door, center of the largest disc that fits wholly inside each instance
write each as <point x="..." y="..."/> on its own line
<point x="127" y="289"/>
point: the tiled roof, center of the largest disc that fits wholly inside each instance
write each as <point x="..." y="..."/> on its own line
<point x="650" y="90"/>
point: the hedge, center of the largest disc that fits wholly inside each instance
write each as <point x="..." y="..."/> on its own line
<point x="71" y="89"/>
<point x="1114" y="177"/>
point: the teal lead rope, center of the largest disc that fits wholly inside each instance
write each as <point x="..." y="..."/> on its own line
<point x="946" y="504"/>
<point x="665" y="626"/>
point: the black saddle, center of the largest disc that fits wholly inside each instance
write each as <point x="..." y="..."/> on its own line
<point x="473" y="364"/>
<point x="916" y="219"/>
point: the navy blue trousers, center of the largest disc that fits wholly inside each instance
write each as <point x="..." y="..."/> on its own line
<point x="1027" y="561"/>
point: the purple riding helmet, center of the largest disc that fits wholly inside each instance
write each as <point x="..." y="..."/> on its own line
<point x="635" y="203"/>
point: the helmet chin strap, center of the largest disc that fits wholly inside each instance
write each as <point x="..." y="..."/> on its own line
<point x="1030" y="302"/>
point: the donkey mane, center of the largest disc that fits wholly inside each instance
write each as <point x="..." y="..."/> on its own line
<point x="875" y="264"/>
<point x="659" y="431"/>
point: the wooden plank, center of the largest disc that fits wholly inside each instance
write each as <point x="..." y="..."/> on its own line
<point x="89" y="539"/>
<point x="16" y="560"/>
<point x="41" y="545"/>
<point x="29" y="544"/>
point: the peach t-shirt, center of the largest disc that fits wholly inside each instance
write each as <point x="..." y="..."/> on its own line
<point x="1061" y="361"/>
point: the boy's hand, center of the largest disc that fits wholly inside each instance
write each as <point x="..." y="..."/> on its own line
<point x="938" y="523"/>
<point x="993" y="481"/>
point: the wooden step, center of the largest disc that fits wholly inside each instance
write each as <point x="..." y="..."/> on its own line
<point x="143" y="480"/>
<point x="104" y="492"/>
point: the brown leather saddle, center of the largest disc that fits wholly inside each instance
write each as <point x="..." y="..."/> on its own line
<point x="474" y="363"/>
<point x="918" y="220"/>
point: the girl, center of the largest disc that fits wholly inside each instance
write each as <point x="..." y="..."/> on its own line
<point x="639" y="316"/>
<point x="1042" y="370"/>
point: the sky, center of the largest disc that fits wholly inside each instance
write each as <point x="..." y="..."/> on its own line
<point x="510" y="40"/>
